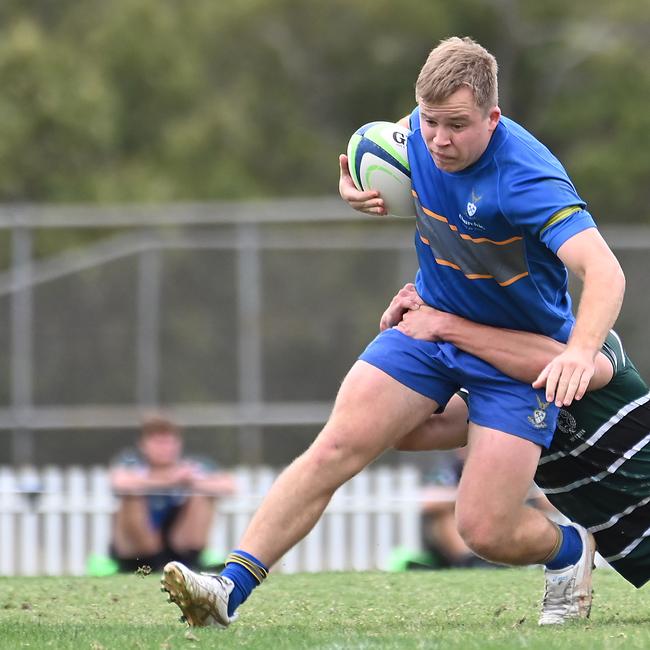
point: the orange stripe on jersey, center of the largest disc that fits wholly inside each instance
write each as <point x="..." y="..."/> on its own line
<point x="505" y="264"/>
<point x="475" y="240"/>
<point x="447" y="263"/>
<point x="512" y="280"/>
<point x="483" y="240"/>
<point x="439" y="217"/>
<point x="480" y="276"/>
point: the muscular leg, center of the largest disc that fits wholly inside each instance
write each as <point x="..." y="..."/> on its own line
<point x="371" y="412"/>
<point x="491" y="512"/>
<point x="447" y="430"/>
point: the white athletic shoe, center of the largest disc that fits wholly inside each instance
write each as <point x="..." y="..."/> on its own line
<point x="202" y="597"/>
<point x="568" y="591"/>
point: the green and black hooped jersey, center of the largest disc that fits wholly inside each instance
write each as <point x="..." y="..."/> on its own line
<point x="597" y="469"/>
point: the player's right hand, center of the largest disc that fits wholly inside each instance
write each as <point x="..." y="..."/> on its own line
<point x="369" y="202"/>
<point x="406" y="299"/>
<point x="567" y="376"/>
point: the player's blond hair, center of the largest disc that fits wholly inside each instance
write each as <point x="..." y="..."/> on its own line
<point x="454" y="63"/>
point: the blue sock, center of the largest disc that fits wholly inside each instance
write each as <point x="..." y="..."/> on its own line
<point x="246" y="571"/>
<point x="570" y="549"/>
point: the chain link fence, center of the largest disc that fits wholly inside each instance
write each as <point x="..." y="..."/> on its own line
<point x="239" y="318"/>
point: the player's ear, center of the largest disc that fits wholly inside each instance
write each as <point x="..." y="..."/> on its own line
<point x="494" y="115"/>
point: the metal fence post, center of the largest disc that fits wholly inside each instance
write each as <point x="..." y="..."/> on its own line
<point x="249" y="308"/>
<point x="148" y="328"/>
<point x="22" y="440"/>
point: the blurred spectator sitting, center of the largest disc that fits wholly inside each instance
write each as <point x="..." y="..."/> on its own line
<point x="166" y="499"/>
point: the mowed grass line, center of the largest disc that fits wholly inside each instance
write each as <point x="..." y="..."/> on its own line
<point x="483" y="609"/>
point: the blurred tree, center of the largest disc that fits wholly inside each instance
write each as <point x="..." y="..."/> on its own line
<point x="156" y="100"/>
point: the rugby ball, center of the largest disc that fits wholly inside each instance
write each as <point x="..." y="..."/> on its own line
<point x="378" y="160"/>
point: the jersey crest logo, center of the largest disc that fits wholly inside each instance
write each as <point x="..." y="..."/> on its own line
<point x="471" y="204"/>
<point x="538" y="418"/>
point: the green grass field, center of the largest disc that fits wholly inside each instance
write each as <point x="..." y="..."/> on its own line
<point x="439" y="609"/>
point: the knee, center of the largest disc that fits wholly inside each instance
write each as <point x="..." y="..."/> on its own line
<point x="336" y="454"/>
<point x="325" y="455"/>
<point x="482" y="534"/>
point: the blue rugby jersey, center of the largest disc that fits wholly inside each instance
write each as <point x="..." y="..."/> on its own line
<point x="487" y="236"/>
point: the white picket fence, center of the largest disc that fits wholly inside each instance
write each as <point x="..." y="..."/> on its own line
<point x="52" y="520"/>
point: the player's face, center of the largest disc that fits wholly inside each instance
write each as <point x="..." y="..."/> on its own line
<point x="456" y="130"/>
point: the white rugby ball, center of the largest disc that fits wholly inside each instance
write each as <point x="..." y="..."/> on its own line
<point x="378" y="160"/>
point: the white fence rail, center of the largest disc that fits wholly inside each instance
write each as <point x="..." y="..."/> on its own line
<point x="52" y="520"/>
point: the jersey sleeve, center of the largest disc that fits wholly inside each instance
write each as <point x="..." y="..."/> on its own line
<point x="558" y="231"/>
<point x="537" y="196"/>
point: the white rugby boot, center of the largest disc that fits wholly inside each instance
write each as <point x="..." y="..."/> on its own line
<point x="568" y="591"/>
<point x="202" y="597"/>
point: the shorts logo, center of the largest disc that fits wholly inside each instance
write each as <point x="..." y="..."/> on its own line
<point x="538" y="418"/>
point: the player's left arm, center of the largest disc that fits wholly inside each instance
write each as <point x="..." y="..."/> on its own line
<point x="587" y="255"/>
<point x="369" y="201"/>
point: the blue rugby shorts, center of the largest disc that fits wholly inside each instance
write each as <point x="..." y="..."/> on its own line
<point x="438" y="369"/>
